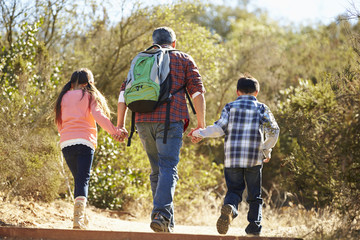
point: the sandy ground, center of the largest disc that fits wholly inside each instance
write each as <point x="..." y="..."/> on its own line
<point x="58" y="214"/>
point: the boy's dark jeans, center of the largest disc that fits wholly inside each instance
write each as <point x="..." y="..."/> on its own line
<point x="236" y="179"/>
<point x="79" y="158"/>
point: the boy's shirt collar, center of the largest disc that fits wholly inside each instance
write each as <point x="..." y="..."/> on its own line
<point x="246" y="97"/>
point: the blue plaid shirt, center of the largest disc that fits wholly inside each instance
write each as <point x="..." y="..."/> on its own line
<point x="245" y="123"/>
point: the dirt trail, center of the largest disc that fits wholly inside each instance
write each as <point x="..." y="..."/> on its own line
<point x="58" y="215"/>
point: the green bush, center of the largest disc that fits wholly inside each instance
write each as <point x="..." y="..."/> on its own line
<point x="29" y="164"/>
<point x="28" y="152"/>
<point x="119" y="175"/>
<point x="200" y="179"/>
<point x="320" y="135"/>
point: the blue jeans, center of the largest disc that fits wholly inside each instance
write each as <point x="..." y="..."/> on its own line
<point x="164" y="159"/>
<point x="79" y="158"/>
<point x="236" y="179"/>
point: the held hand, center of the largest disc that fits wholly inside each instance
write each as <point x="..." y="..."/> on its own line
<point x="191" y="132"/>
<point x="121" y="134"/>
<point x="193" y="138"/>
<point x="266" y="160"/>
<point x="118" y="137"/>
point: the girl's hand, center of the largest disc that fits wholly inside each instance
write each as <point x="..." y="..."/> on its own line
<point x="121" y="134"/>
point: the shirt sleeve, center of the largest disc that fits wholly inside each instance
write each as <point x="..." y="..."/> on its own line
<point x="102" y="119"/>
<point x="121" y="94"/>
<point x="224" y="119"/>
<point x="121" y="97"/>
<point x="194" y="83"/>
<point x="212" y="131"/>
<point x="271" y="131"/>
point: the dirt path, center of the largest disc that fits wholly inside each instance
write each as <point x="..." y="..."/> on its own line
<point x="58" y="215"/>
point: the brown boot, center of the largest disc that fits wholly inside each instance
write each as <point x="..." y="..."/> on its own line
<point x="225" y="219"/>
<point x="80" y="219"/>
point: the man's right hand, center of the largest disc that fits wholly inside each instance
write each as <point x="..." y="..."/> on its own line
<point x="193" y="138"/>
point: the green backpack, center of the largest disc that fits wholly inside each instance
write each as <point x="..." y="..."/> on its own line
<point x="148" y="84"/>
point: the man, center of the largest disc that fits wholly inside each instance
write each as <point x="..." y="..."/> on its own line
<point x="150" y="127"/>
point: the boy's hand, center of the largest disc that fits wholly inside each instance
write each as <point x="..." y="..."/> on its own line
<point x="267" y="155"/>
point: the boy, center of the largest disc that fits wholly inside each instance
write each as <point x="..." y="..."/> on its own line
<point x="250" y="132"/>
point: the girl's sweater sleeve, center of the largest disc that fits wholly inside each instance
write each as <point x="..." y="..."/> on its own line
<point x="102" y="119"/>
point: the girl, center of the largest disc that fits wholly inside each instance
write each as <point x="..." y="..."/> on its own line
<point x="79" y="106"/>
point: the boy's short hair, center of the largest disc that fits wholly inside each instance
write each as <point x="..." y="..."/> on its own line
<point x="248" y="84"/>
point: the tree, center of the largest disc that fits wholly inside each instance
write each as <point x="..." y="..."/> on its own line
<point x="11" y="13"/>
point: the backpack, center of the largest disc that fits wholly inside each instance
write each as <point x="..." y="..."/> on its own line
<point x="148" y="85"/>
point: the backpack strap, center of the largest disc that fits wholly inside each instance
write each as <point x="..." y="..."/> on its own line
<point x="167" y="118"/>
<point x="153" y="46"/>
<point x="188" y="97"/>
<point x="132" y="131"/>
<point x="167" y="121"/>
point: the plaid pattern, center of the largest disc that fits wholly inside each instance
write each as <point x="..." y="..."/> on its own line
<point x="183" y="71"/>
<point x="242" y="122"/>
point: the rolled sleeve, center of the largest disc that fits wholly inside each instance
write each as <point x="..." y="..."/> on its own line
<point x="194" y="83"/>
<point x="121" y="97"/>
<point x="122" y="91"/>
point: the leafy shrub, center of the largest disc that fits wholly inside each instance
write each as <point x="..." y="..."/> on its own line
<point x="320" y="134"/>
<point x="119" y="174"/>
<point x="28" y="153"/>
<point x="29" y="164"/>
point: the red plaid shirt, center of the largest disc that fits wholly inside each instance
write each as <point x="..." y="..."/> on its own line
<point x="183" y="71"/>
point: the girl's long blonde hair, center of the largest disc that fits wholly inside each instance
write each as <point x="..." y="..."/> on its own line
<point x="79" y="77"/>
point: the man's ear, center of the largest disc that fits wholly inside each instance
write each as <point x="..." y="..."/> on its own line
<point x="173" y="44"/>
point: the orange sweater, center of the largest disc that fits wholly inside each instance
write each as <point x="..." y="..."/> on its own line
<point x="79" y="121"/>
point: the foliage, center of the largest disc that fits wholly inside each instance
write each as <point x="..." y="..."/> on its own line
<point x="43" y="41"/>
<point x="321" y="137"/>
<point x="29" y="164"/>
<point x="200" y="179"/>
<point x="28" y="84"/>
<point x="119" y="174"/>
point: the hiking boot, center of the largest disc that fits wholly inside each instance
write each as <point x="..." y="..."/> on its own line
<point x="225" y="218"/>
<point x="80" y="219"/>
<point x="160" y="224"/>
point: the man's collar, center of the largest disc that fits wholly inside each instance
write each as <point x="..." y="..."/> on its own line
<point x="166" y="46"/>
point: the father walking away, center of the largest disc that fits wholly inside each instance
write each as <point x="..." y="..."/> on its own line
<point x="164" y="157"/>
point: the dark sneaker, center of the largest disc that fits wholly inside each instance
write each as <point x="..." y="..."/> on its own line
<point x="160" y="224"/>
<point x="256" y="234"/>
<point x="253" y="229"/>
<point x="225" y="218"/>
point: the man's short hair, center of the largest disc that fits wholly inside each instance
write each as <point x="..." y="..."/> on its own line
<point x="248" y="84"/>
<point x="163" y="35"/>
